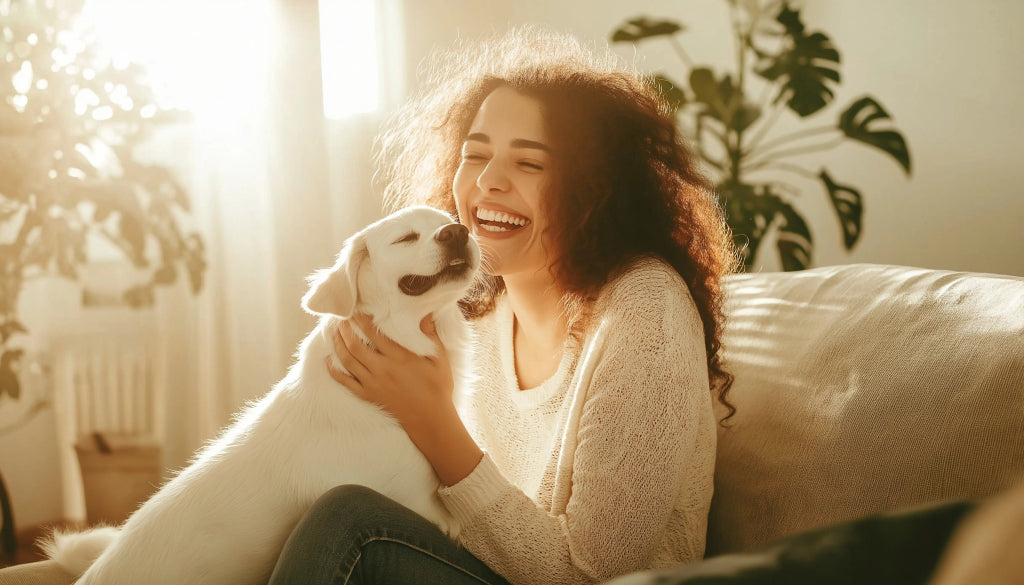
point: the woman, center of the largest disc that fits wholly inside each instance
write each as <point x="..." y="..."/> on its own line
<point x="586" y="446"/>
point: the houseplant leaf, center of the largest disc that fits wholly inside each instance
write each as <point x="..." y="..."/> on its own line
<point x="133" y="233"/>
<point x="195" y="261"/>
<point x="9" y="383"/>
<point x="848" y="205"/>
<point x="805" y="68"/>
<point x="706" y="91"/>
<point x="750" y="210"/>
<point x="641" y="28"/>
<point x="862" y="113"/>
<point x="724" y="100"/>
<point x="794" y="242"/>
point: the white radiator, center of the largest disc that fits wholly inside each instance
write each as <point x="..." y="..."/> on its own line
<point x="111" y="385"/>
<point x="104" y="382"/>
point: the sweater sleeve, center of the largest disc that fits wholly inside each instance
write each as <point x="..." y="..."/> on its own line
<point x="642" y="402"/>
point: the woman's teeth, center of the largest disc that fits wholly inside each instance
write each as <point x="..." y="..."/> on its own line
<point x="493" y="218"/>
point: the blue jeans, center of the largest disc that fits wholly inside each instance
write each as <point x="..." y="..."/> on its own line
<point x="354" y="535"/>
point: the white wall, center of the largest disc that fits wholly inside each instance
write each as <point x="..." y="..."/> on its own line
<point x="947" y="72"/>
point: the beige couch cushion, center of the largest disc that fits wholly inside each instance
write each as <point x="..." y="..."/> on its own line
<point x="862" y="389"/>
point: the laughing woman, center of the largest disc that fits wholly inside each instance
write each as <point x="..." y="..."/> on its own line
<point x="586" y="446"/>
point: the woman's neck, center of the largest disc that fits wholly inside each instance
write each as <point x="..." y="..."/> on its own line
<point x="540" y="328"/>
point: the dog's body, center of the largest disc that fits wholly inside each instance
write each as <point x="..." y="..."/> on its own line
<point x="224" y="519"/>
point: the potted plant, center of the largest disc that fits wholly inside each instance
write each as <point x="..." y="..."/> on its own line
<point x="731" y="130"/>
<point x="71" y="118"/>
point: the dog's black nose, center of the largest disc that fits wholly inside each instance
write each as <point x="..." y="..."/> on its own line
<point x="453" y="235"/>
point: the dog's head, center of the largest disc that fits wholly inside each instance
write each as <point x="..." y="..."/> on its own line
<point x="411" y="262"/>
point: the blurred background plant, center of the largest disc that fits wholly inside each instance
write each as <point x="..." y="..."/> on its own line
<point x="71" y="117"/>
<point x="729" y="127"/>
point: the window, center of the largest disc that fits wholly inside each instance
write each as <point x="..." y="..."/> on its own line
<point x="349" y="57"/>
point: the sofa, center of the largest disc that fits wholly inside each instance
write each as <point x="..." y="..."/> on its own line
<point x="860" y="390"/>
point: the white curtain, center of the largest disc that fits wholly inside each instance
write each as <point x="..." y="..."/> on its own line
<point x="255" y="165"/>
<point x="275" y="188"/>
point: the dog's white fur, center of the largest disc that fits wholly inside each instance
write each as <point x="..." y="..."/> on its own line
<point x="224" y="519"/>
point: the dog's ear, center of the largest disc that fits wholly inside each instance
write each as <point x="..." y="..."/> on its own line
<point x="333" y="290"/>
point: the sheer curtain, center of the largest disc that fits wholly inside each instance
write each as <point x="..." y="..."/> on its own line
<point x="256" y="165"/>
<point x="275" y="187"/>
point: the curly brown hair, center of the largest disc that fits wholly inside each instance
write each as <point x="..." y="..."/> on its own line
<point x="628" y="185"/>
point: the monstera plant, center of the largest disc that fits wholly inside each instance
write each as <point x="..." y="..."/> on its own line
<point x="730" y="123"/>
<point x="71" y="118"/>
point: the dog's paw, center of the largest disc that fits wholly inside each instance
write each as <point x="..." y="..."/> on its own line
<point x="76" y="551"/>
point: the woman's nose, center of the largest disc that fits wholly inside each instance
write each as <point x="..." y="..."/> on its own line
<point x="493" y="177"/>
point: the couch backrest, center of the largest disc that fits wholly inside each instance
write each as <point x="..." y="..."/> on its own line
<point x="865" y="388"/>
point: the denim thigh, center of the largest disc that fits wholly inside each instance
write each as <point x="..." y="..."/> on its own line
<point x="354" y="535"/>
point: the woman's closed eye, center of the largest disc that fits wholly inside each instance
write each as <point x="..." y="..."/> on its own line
<point x="473" y="157"/>
<point x="531" y="165"/>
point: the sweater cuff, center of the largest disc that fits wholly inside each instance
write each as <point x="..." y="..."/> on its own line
<point x="475" y="492"/>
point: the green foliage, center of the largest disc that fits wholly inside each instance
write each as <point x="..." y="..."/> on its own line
<point x="800" y="70"/>
<point x="70" y="120"/>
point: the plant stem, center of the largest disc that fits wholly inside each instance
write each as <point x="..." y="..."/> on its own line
<point x="783" y="166"/>
<point x="680" y="51"/>
<point x="799" y="135"/>
<point x="766" y="125"/>
<point x="765" y="157"/>
<point x="736" y="148"/>
<point x="784" y="187"/>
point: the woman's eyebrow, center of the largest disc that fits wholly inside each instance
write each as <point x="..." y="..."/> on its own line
<point x="524" y="143"/>
<point x="516" y="143"/>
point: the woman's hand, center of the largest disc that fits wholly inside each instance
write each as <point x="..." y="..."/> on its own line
<point x="409" y="387"/>
<point x="416" y="390"/>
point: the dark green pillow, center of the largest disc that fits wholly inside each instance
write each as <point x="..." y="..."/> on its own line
<point x="898" y="549"/>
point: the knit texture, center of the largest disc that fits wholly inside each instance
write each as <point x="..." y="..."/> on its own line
<point x="608" y="466"/>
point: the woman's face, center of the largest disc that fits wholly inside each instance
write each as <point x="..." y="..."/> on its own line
<point x="506" y="165"/>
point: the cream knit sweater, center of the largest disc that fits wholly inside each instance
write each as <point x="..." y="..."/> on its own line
<point x="606" y="468"/>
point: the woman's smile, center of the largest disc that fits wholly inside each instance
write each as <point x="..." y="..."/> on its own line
<point x="494" y="222"/>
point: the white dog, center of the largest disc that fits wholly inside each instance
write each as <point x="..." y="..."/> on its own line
<point x="224" y="519"/>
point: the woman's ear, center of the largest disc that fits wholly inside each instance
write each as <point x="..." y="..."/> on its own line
<point x="333" y="291"/>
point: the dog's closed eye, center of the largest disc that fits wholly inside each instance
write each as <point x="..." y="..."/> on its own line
<point x="407" y="238"/>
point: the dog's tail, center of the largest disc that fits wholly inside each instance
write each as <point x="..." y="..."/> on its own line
<point x="76" y="551"/>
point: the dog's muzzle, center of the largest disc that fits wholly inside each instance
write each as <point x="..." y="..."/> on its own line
<point x="453" y="239"/>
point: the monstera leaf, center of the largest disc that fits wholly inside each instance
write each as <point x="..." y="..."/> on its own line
<point x="752" y="209"/>
<point x="642" y="28"/>
<point x="794" y="241"/>
<point x="805" y="69"/>
<point x="855" y="122"/>
<point x="847" y="203"/>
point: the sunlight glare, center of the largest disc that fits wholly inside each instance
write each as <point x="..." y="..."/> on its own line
<point x="349" y="57"/>
<point x="205" y="56"/>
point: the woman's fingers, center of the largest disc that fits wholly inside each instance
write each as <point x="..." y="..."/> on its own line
<point x="351" y="352"/>
<point x="383" y="344"/>
<point x="341" y="376"/>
